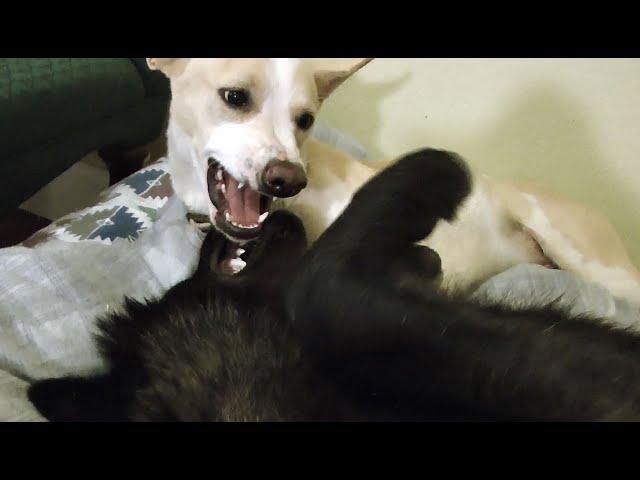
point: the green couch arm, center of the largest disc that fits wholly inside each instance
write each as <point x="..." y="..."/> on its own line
<point x="53" y="111"/>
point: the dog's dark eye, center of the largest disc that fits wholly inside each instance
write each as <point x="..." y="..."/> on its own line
<point x="235" y="98"/>
<point x="305" y="121"/>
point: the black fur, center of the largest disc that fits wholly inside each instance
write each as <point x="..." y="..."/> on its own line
<point x="362" y="333"/>
<point x="437" y="356"/>
<point x="213" y="348"/>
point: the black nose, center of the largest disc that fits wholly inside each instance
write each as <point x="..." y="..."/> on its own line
<point x="283" y="178"/>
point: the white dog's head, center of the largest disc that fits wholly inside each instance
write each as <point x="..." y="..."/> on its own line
<point x="246" y="121"/>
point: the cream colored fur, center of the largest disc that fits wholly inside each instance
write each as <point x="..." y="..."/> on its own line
<point x="500" y="225"/>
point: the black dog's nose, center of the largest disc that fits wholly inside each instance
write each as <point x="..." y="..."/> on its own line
<point x="283" y="178"/>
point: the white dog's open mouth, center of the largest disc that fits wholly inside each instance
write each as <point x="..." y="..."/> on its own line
<point x="240" y="209"/>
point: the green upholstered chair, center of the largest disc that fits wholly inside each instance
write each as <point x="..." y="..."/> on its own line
<point x="54" y="111"/>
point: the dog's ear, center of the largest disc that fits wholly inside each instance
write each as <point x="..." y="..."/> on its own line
<point x="168" y="66"/>
<point x="75" y="399"/>
<point x="329" y="76"/>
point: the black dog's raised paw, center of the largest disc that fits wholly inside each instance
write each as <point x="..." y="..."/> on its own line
<point x="436" y="180"/>
<point x="410" y="196"/>
<point x="444" y="178"/>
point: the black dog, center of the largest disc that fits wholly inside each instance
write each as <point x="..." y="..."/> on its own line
<point x="215" y="347"/>
<point x="362" y="332"/>
<point x="369" y="328"/>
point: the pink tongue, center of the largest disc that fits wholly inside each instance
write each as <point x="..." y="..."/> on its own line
<point x="244" y="204"/>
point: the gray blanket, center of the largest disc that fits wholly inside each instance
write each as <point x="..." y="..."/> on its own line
<point x="531" y="286"/>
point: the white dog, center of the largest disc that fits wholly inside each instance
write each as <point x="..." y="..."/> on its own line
<point x="238" y="137"/>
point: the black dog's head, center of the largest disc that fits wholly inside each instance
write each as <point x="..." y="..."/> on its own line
<point x="282" y="242"/>
<point x="268" y="261"/>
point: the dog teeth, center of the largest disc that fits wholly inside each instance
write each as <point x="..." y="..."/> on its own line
<point x="246" y="227"/>
<point x="229" y="219"/>
<point x="240" y="252"/>
<point x="223" y="188"/>
<point x="237" y="265"/>
<point x="219" y="175"/>
<point x="263" y="217"/>
<point x="240" y="185"/>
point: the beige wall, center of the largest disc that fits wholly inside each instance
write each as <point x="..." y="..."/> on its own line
<point x="570" y="124"/>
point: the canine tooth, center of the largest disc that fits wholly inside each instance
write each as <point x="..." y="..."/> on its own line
<point x="223" y="188"/>
<point x="240" y="185"/>
<point x="219" y="175"/>
<point x="263" y="217"/>
<point x="237" y="264"/>
<point x="227" y="217"/>
<point x="240" y="252"/>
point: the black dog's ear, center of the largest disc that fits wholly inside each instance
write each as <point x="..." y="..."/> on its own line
<point x="74" y="399"/>
<point x="416" y="269"/>
<point x="423" y="261"/>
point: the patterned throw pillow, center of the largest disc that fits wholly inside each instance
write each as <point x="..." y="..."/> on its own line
<point x="121" y="213"/>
